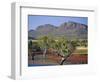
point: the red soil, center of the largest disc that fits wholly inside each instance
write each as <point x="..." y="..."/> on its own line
<point x="73" y="59"/>
<point x="77" y="59"/>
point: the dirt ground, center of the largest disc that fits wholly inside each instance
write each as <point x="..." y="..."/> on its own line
<point x="55" y="59"/>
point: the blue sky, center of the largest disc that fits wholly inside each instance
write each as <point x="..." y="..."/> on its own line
<point x="35" y="20"/>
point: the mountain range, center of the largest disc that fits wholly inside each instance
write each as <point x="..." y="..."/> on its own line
<point x="70" y="30"/>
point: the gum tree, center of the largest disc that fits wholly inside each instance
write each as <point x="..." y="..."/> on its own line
<point x="64" y="49"/>
<point x="44" y="44"/>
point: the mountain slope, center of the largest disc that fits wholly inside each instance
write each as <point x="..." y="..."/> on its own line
<point x="71" y="30"/>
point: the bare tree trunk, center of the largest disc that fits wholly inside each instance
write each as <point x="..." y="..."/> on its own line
<point x="44" y="53"/>
<point x="62" y="60"/>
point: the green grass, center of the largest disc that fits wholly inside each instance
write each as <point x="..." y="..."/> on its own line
<point x="81" y="51"/>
